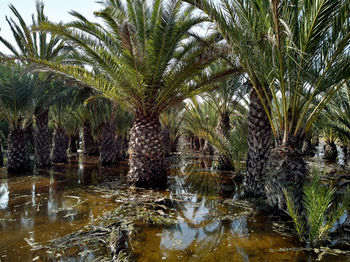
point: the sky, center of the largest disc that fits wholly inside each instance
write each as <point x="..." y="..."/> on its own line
<point x="56" y="10"/>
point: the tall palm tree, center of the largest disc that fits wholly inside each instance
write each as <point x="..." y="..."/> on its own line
<point x="16" y="91"/>
<point x="144" y="64"/>
<point x="292" y="52"/>
<point x="39" y="45"/>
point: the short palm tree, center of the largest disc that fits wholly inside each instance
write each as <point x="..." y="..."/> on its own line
<point x="72" y="128"/>
<point x="141" y="61"/>
<point x="225" y="100"/>
<point x="339" y="119"/>
<point x="16" y="92"/>
<point x="171" y="121"/>
<point x="86" y="116"/>
<point x="43" y="46"/>
<point x="61" y="112"/>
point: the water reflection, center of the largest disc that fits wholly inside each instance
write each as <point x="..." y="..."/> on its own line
<point x="213" y="224"/>
<point x="4" y="195"/>
<point x="51" y="203"/>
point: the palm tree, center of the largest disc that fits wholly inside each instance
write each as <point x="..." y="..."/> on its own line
<point x="39" y="45"/>
<point x="85" y="115"/>
<point x="200" y="120"/>
<point x="72" y="129"/>
<point x="61" y="112"/>
<point x="226" y="99"/>
<point x="292" y="52"/>
<point x="338" y="124"/>
<point x="16" y="91"/>
<point x="144" y="64"/>
<point x="171" y="121"/>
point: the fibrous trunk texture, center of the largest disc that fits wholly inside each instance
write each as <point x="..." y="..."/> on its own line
<point x="122" y="147"/>
<point x="309" y="149"/>
<point x="1" y="155"/>
<point x="346" y="151"/>
<point x="223" y="128"/>
<point x="166" y="140"/>
<point x="73" y="144"/>
<point x="90" y="147"/>
<point x="259" y="142"/>
<point x="287" y="170"/>
<point x="60" y="146"/>
<point x="196" y="144"/>
<point x="42" y="138"/>
<point x="330" y="152"/>
<point x="18" y="157"/>
<point x="108" y="147"/>
<point x="208" y="148"/>
<point x="147" y="155"/>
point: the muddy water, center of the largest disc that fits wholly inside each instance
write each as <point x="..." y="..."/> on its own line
<point x="214" y="223"/>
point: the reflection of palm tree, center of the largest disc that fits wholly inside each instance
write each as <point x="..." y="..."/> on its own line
<point x="203" y="183"/>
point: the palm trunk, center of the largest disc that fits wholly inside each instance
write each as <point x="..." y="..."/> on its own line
<point x="42" y="138"/>
<point x="73" y="144"/>
<point x="147" y="155"/>
<point x="60" y="146"/>
<point x="197" y="144"/>
<point x="207" y="149"/>
<point x="1" y="155"/>
<point x="166" y="140"/>
<point x="330" y="152"/>
<point x="259" y="142"/>
<point x="108" y="147"/>
<point x="287" y="170"/>
<point x="223" y="128"/>
<point x="346" y="153"/>
<point x="308" y="148"/>
<point x="18" y="157"/>
<point x="90" y="147"/>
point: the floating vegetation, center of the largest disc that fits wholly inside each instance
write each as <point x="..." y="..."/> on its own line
<point x="134" y="207"/>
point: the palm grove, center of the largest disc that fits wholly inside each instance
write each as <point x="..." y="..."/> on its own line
<point x="268" y="73"/>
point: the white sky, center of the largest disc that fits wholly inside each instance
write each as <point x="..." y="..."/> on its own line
<point x="56" y="10"/>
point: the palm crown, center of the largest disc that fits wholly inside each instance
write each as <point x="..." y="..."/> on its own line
<point x="295" y="50"/>
<point x="140" y="58"/>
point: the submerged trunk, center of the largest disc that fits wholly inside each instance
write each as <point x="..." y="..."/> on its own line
<point x="223" y="128"/>
<point x="259" y="142"/>
<point x="18" y="157"/>
<point x="60" y="146"/>
<point x="73" y="144"/>
<point x="147" y="155"/>
<point x="287" y="170"/>
<point x="330" y="152"/>
<point x="42" y="138"/>
<point x="108" y="148"/>
<point x="90" y="147"/>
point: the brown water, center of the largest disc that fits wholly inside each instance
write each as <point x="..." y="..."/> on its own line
<point x="214" y="224"/>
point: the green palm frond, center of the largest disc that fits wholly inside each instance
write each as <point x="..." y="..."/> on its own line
<point x="143" y="56"/>
<point x="295" y="51"/>
<point x="16" y="96"/>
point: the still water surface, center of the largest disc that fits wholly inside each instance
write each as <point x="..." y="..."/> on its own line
<point x="214" y="224"/>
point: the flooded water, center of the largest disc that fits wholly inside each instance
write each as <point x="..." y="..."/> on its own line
<point x="214" y="223"/>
